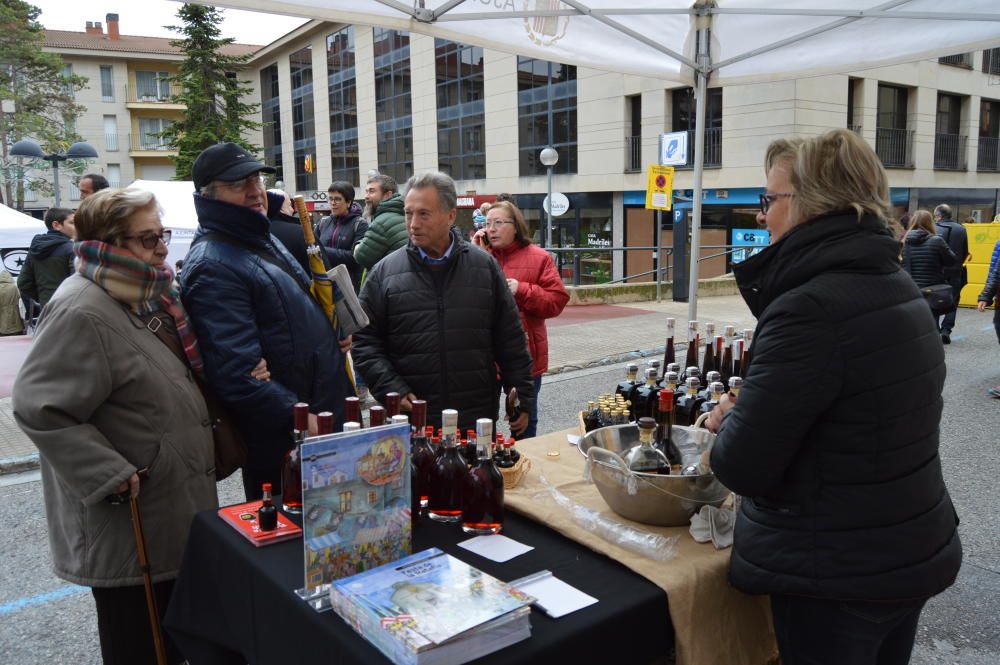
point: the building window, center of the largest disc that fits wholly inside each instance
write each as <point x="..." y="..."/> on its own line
<point x="148" y="138"/>
<point x="114" y="175"/>
<point x="271" y="118"/>
<point x="372" y="497"/>
<point x="110" y="133"/>
<point x="893" y="141"/>
<point x="345" y="502"/>
<point x="546" y="100"/>
<point x="107" y="84"/>
<point x="963" y="60"/>
<point x="989" y="135"/>
<point x="152" y="86"/>
<point x="949" y="144"/>
<point x="991" y="61"/>
<point x="68" y="72"/>
<point x="683" y="106"/>
<point x="460" y="111"/>
<point x="343" y="91"/>
<point x="393" y="107"/>
<point x="303" y="119"/>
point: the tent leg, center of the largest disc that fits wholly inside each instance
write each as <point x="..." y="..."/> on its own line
<point x="701" y="102"/>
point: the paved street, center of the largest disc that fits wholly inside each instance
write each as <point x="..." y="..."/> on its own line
<point x="44" y="620"/>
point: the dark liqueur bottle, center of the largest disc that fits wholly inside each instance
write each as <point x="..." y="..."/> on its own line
<point x="669" y="355"/>
<point x="628" y="384"/>
<point x="715" y="390"/>
<point x="591" y="417"/>
<point x="291" y="470"/>
<point x="421" y="455"/>
<point x="708" y="365"/>
<point x="267" y="514"/>
<point x="645" y="396"/>
<point x="376" y="416"/>
<point x="444" y="497"/>
<point x="324" y="423"/>
<point x="504" y="461"/>
<point x="665" y="428"/>
<point x="515" y="456"/>
<point x="352" y="411"/>
<point x="645" y="457"/>
<point x="689" y="403"/>
<point x="693" y="341"/>
<point x="482" y="492"/>
<point x="726" y="366"/>
<point x="392" y="401"/>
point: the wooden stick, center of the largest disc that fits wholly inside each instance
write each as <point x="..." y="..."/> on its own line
<point x="147" y="581"/>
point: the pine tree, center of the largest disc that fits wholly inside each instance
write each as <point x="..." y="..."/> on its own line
<point x="210" y="88"/>
<point x="36" y="100"/>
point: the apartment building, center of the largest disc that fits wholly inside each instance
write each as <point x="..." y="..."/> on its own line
<point x="127" y="101"/>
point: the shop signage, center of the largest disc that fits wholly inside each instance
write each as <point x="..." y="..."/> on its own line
<point x="594" y="240"/>
<point x="560" y="204"/>
<point x="659" y="187"/>
<point x="757" y="239"/>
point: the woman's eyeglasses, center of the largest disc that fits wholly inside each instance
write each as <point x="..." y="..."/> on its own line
<point x="496" y="223"/>
<point x="767" y="199"/>
<point x="149" y="240"/>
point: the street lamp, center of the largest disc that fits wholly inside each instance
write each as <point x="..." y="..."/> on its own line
<point x="549" y="156"/>
<point x="28" y="148"/>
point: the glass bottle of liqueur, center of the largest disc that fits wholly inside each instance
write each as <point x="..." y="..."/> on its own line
<point x="735" y="384"/>
<point x="689" y="403"/>
<point x="726" y="366"/>
<point x="352" y="411"/>
<point x="515" y="456"/>
<point x="645" y="457"/>
<point x="421" y="455"/>
<point x="628" y="384"/>
<point x="392" y="401"/>
<point x="291" y="470"/>
<point x="693" y="341"/>
<point x="669" y="355"/>
<point x="715" y="390"/>
<point x="324" y="423"/>
<point x="708" y="365"/>
<point x="710" y="378"/>
<point x="665" y="428"/>
<point x="376" y="416"/>
<point x="482" y="491"/>
<point x="444" y="497"/>
<point x="591" y="418"/>
<point x="738" y="369"/>
<point x="267" y="514"/>
<point x="645" y="396"/>
<point x="745" y="354"/>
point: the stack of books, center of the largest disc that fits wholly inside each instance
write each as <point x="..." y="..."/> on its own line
<point x="432" y="609"/>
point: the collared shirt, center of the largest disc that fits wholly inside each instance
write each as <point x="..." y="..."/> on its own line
<point x="429" y="260"/>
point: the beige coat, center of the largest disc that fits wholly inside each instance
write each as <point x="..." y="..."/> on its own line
<point x="10" y="315"/>
<point x="100" y="397"/>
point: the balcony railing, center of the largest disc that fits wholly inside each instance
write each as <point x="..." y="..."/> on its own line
<point x="963" y="60"/>
<point x="633" y="154"/>
<point x="713" y="148"/>
<point x="160" y="94"/>
<point x="989" y="154"/>
<point x="145" y="142"/>
<point x="949" y="152"/>
<point x="894" y="147"/>
<point x="111" y="142"/>
<point x="30" y="195"/>
<point x="991" y="61"/>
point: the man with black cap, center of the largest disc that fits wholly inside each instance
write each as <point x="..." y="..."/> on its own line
<point x="249" y="299"/>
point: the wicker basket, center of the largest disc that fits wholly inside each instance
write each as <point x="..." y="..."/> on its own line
<point x="513" y="475"/>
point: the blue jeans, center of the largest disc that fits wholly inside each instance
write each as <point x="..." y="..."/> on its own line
<point x="533" y="414"/>
<point x="816" y="631"/>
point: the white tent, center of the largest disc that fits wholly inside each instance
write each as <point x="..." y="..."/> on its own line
<point x="176" y="200"/>
<point x="16" y="232"/>
<point x="695" y="42"/>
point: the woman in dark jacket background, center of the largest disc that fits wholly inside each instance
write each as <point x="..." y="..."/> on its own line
<point x="926" y="254"/>
<point x="341" y="232"/>
<point x="833" y="443"/>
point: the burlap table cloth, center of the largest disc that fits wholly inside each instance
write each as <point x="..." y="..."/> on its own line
<point x="713" y="623"/>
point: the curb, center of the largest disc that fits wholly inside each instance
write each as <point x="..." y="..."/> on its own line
<point x="19" y="464"/>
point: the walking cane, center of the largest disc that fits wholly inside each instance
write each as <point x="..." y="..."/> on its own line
<point x="147" y="578"/>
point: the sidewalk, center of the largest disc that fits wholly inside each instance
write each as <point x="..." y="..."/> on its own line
<point x="583" y="336"/>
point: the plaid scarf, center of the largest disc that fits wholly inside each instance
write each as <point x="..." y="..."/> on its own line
<point x="143" y="288"/>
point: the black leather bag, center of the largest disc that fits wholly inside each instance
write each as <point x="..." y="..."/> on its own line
<point x="940" y="298"/>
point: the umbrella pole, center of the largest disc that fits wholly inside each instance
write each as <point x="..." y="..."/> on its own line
<point x="701" y="103"/>
<point x="147" y="581"/>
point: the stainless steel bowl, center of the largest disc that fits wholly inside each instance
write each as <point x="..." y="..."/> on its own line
<point x="658" y="500"/>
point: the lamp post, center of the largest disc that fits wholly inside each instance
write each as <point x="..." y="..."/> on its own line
<point x="28" y="148"/>
<point x="549" y="157"/>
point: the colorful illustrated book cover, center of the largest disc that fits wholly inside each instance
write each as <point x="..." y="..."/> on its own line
<point x="429" y="597"/>
<point x="355" y="502"/>
<point x="243" y="518"/>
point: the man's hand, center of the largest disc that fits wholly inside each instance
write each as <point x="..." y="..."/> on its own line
<point x="345" y="344"/>
<point x="714" y="420"/>
<point x="519" y="424"/>
<point x="132" y="485"/>
<point x="260" y="372"/>
<point x="981" y="305"/>
<point x="512" y="284"/>
<point x="406" y="403"/>
<point x="313" y="425"/>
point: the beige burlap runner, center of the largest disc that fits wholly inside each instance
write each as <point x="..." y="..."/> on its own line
<point x="713" y="623"/>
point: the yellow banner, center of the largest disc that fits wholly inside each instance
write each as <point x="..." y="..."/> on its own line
<point x="660" y="187"/>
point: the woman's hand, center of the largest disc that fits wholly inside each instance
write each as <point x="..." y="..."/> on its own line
<point x="132" y="485"/>
<point x="260" y="372"/>
<point x="479" y="239"/>
<point x="714" y="420"/>
<point x="345" y="344"/>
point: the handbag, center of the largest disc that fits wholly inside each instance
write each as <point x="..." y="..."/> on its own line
<point x="939" y="297"/>
<point x="230" y="448"/>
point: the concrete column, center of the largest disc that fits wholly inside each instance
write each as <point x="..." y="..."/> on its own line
<point x="423" y="93"/>
<point x="364" y="66"/>
<point x="321" y="112"/>
<point x="500" y="103"/>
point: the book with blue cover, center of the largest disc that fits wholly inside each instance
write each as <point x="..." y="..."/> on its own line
<point x="355" y="502"/>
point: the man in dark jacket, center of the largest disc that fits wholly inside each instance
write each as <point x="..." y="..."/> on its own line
<point x="249" y="299"/>
<point x="958" y="240"/>
<point x="442" y="318"/>
<point x="50" y="257"/>
<point x="387" y="227"/>
<point x="286" y="227"/>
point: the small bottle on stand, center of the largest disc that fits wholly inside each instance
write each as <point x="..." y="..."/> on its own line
<point x="482" y="492"/>
<point x="645" y="458"/>
<point x="392" y="401"/>
<point x="324" y="423"/>
<point x="291" y="470"/>
<point x="267" y="514"/>
<point x="669" y="355"/>
<point x="444" y="498"/>
<point x="352" y="411"/>
<point x="376" y="416"/>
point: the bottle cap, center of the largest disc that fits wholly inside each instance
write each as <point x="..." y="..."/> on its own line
<point x="748" y="334"/>
<point x="710" y="329"/>
<point x="300" y="416"/>
<point x="324" y="422"/>
<point x="419" y="413"/>
<point x="392" y="403"/>
<point x="712" y="377"/>
<point x="671" y="322"/>
<point x="693" y="371"/>
<point x="674" y="367"/>
<point x="672" y="377"/>
<point x="376" y="415"/>
<point x="666" y="399"/>
<point x="692" y="325"/>
<point x="352" y="426"/>
<point x="400" y="418"/>
<point x="267" y="486"/>
<point x="693" y="382"/>
<point x="653" y="363"/>
<point x="647" y="423"/>
<point x="484" y="429"/>
<point x="449" y="422"/>
<point x="735" y="382"/>
<point x="632" y="367"/>
<point x="730" y="331"/>
<point x="717" y="387"/>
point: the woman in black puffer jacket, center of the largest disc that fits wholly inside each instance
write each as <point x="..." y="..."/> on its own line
<point x="833" y="443"/>
<point x="926" y="254"/>
<point x="341" y="232"/>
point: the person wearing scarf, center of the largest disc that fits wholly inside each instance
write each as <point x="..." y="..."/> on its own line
<point x="114" y="411"/>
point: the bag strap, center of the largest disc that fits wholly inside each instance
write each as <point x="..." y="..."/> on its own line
<point x="259" y="251"/>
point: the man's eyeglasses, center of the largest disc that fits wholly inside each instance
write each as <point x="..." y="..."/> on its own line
<point x="767" y="199"/>
<point x="496" y="223"/>
<point x="149" y="240"/>
<point x="254" y="181"/>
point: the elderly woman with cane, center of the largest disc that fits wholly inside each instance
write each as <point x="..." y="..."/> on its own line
<point x="116" y="414"/>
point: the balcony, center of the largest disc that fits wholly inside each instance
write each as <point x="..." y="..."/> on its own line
<point x="633" y="154"/>
<point x="145" y="145"/>
<point x="949" y="152"/>
<point x="159" y="97"/>
<point x="894" y="147"/>
<point x="989" y="154"/>
<point x="991" y="61"/>
<point x="713" y="148"/>
<point x="963" y="60"/>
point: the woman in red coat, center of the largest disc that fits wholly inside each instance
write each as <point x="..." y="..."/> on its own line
<point x="532" y="278"/>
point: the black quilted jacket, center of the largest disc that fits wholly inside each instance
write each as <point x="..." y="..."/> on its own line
<point x="834" y="439"/>
<point x="926" y="256"/>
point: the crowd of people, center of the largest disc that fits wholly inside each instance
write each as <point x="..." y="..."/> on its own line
<point x="846" y="520"/>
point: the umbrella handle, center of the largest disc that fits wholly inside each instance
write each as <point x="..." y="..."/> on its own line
<point x="147" y="581"/>
<point x="307" y="229"/>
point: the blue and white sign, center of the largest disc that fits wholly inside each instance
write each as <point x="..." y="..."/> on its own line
<point x="674" y="149"/>
<point x="753" y="240"/>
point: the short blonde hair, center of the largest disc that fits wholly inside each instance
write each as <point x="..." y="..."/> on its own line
<point x="832" y="172"/>
<point x="105" y="215"/>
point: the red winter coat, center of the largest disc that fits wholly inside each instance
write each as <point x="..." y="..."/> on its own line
<point x="540" y="295"/>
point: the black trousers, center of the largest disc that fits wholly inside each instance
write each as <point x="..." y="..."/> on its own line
<point x="123" y="624"/>
<point x="813" y="631"/>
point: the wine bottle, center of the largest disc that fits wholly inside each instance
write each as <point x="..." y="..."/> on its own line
<point x="291" y="469"/>
<point x="745" y="360"/>
<point x="669" y="354"/>
<point x="645" y="396"/>
<point x="709" y="362"/>
<point x="738" y="369"/>
<point x="267" y="514"/>
<point x="665" y="428"/>
<point x="392" y="401"/>
<point x="692" y="349"/>
<point x="421" y="454"/>
<point x="352" y="411"/>
<point x="645" y="458"/>
<point x="376" y="416"/>
<point x="726" y="368"/>
<point x="444" y="497"/>
<point x="482" y="492"/>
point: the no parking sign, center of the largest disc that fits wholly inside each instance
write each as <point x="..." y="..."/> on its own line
<point x="660" y="187"/>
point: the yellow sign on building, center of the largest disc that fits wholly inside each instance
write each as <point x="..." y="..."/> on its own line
<point x="660" y="187"/>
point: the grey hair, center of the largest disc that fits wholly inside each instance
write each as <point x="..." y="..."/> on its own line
<point x="445" y="186"/>
<point x="944" y="210"/>
<point x="208" y="191"/>
<point x="385" y="182"/>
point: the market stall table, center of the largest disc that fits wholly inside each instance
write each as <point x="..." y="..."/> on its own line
<point x="234" y="603"/>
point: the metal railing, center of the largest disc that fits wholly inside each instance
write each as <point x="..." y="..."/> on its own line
<point x="989" y="154"/>
<point x="111" y="142"/>
<point x="162" y="94"/>
<point x="30" y="195"/>
<point x="949" y="152"/>
<point x="146" y="142"/>
<point x="991" y="61"/>
<point x="633" y="154"/>
<point x="959" y="60"/>
<point x="894" y="147"/>
<point x="713" y="148"/>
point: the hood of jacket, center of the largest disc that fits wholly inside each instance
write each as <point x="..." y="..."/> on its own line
<point x="43" y="245"/>
<point x="392" y="204"/>
<point x="917" y="236"/>
<point x="836" y="242"/>
<point x="237" y="221"/>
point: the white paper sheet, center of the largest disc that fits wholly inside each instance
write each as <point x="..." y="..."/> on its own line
<point x="497" y="548"/>
<point x="573" y="439"/>
<point x="555" y="597"/>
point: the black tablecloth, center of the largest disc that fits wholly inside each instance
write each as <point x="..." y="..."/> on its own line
<point x="234" y="603"/>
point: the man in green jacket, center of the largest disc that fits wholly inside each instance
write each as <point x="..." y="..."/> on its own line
<point x="387" y="230"/>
